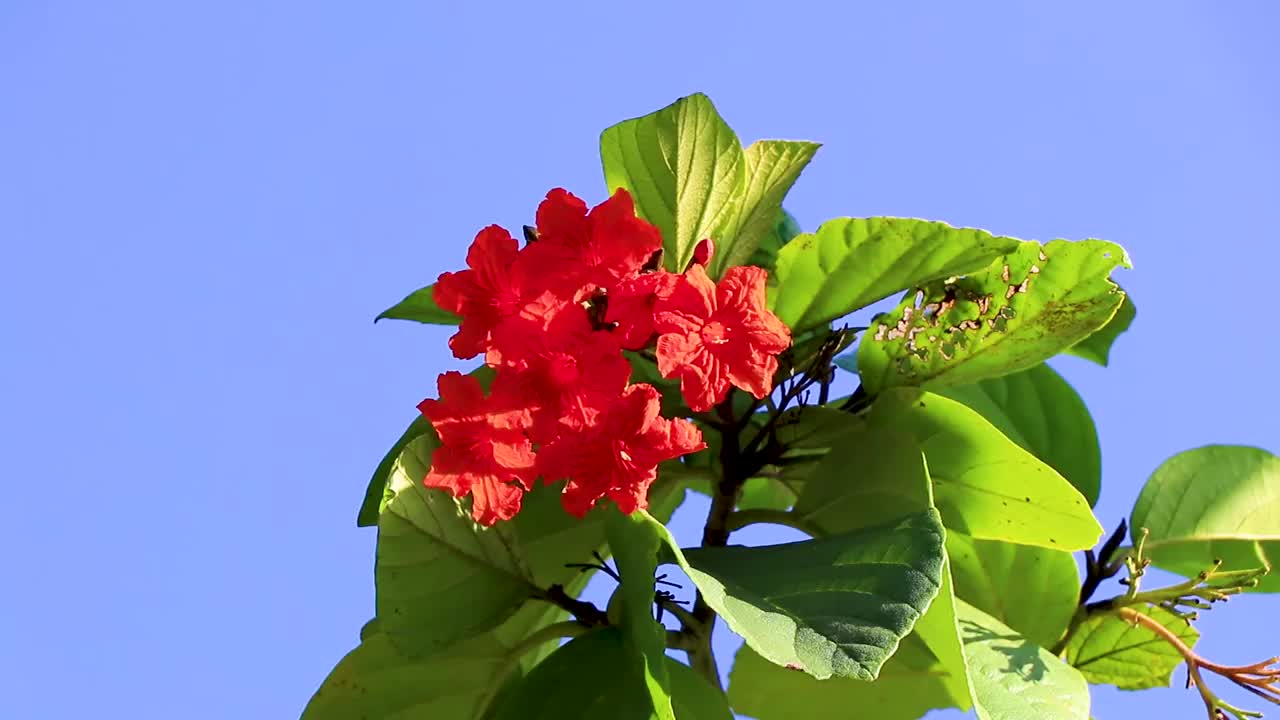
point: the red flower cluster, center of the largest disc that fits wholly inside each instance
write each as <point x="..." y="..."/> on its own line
<point x="552" y="318"/>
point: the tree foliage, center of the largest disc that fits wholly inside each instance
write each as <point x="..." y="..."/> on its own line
<point x="685" y="334"/>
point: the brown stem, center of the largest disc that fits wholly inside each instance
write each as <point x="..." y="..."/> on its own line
<point x="716" y="534"/>
<point x="1259" y="678"/>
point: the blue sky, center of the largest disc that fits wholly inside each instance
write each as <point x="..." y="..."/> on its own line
<point x="203" y="205"/>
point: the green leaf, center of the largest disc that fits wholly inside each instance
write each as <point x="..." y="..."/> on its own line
<point x="376" y="495"/>
<point x="1109" y="650"/>
<point x="772" y="168"/>
<point x="1097" y="347"/>
<point x="1023" y="309"/>
<point x="1032" y="590"/>
<point x="765" y="493"/>
<point x="1015" y="679"/>
<point x="685" y="169"/>
<point x="439" y="576"/>
<point x="873" y="475"/>
<point x="835" y="606"/>
<point x="594" y="676"/>
<point x="850" y="263"/>
<point x="1040" y="411"/>
<point x="785" y="228"/>
<point x="1218" y="502"/>
<point x="377" y="680"/>
<point x="984" y="484"/>
<point x="910" y="684"/>
<point x="634" y="546"/>
<point x="420" y="306"/>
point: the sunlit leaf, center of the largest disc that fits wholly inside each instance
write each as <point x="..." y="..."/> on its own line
<point x="849" y="263"/>
<point x="1097" y="347"/>
<point x="1218" y="502"/>
<point x="685" y="169"/>
<point x="1031" y="589"/>
<point x="772" y="168"/>
<point x="419" y="306"/>
<point x="1015" y="679"/>
<point x="1110" y="650"/>
<point x="1028" y="306"/>
<point x="1040" y="411"/>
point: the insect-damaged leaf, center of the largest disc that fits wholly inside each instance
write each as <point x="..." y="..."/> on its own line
<point x="1097" y="347"/>
<point x="1023" y="309"/>
<point x="850" y="263"/>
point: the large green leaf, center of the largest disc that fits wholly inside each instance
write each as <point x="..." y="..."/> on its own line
<point x="634" y="545"/>
<point x="1097" y="347"/>
<point x="1015" y="679"/>
<point x="834" y="606"/>
<point x="1218" y="502"/>
<point x="1026" y="307"/>
<point x="870" y="476"/>
<point x="595" y="676"/>
<point x="440" y="577"/>
<point x="420" y="306"/>
<point x="1040" y="411"/>
<point x="685" y="168"/>
<point x="1109" y="650"/>
<point x="984" y="484"/>
<point x="377" y="680"/>
<point x="850" y="263"/>
<point x="772" y="168"/>
<point x="376" y="495"/>
<point x="910" y="684"/>
<point x="1031" y="589"/>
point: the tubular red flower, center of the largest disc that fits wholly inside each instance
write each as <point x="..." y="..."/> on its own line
<point x="493" y="287"/>
<point x="562" y="369"/>
<point x="631" y="304"/>
<point x="579" y="251"/>
<point x="711" y="337"/>
<point x="618" y="456"/>
<point x="483" y="448"/>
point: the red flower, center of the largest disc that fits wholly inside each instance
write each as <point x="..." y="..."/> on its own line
<point x="483" y="449"/>
<point x="578" y="251"/>
<point x="712" y="337"/>
<point x="493" y="287"/>
<point x="562" y="369"/>
<point x="631" y="304"/>
<point x="619" y="455"/>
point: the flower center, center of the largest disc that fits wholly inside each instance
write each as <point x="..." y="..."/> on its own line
<point x="715" y="333"/>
